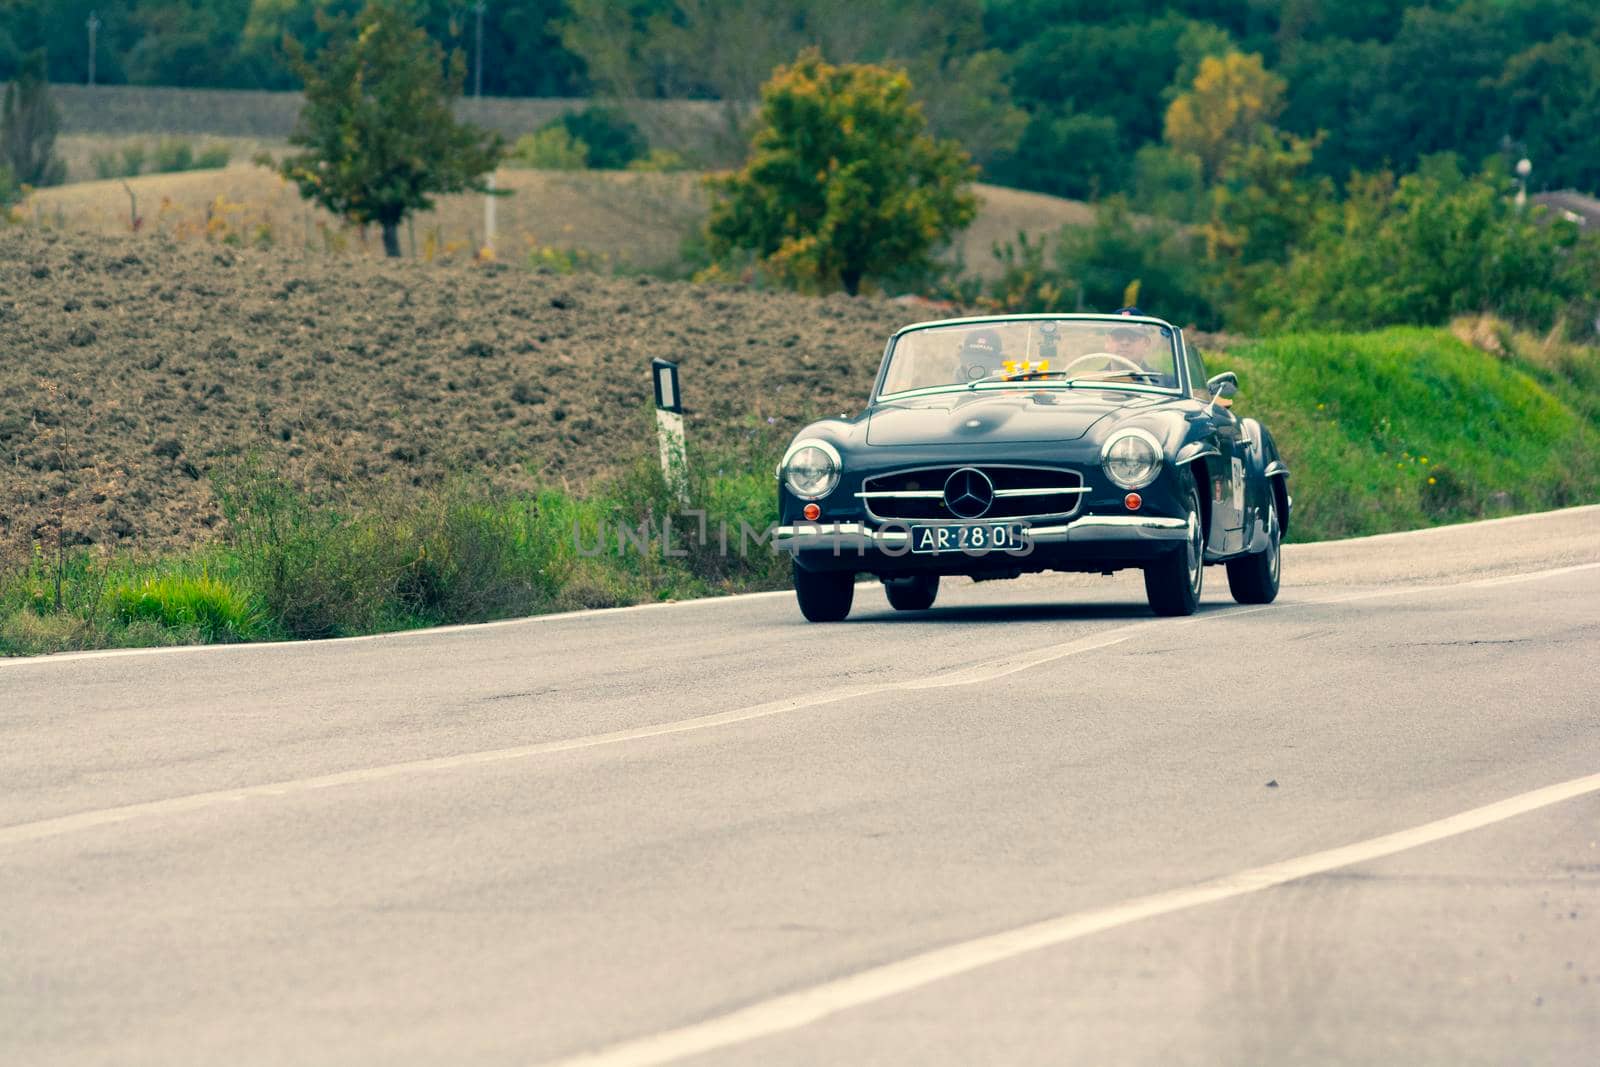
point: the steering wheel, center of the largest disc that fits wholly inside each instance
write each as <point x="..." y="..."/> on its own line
<point x="1130" y="364"/>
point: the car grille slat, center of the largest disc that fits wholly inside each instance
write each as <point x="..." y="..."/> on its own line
<point x="1019" y="493"/>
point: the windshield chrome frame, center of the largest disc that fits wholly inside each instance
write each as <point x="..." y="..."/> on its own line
<point x="1178" y="346"/>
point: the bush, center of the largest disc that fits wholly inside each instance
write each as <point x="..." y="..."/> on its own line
<point x="551" y="148"/>
<point x="172" y="154"/>
<point x="660" y="161"/>
<point x="612" y="139"/>
<point x="1432" y="246"/>
<point x="1118" y="260"/>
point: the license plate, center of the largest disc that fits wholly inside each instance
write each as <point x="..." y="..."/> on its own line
<point x="971" y="538"/>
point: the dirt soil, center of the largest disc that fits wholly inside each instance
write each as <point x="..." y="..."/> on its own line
<point x="130" y="367"/>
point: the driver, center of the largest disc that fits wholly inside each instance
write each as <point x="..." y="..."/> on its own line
<point x="1133" y="343"/>
<point x="979" y="356"/>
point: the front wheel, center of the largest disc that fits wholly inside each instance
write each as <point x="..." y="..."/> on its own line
<point x="824" y="596"/>
<point x="912" y="594"/>
<point x="1254" y="579"/>
<point x="1172" y="583"/>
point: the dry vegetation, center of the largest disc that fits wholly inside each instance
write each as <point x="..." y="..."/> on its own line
<point x="611" y="219"/>
<point x="134" y="365"/>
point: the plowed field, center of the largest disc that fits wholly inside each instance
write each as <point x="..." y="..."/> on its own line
<point x="129" y="367"/>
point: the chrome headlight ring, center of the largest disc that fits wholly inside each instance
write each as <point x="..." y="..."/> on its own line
<point x="811" y="468"/>
<point x="1131" y="458"/>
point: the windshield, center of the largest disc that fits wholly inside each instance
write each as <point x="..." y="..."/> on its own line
<point x="1033" y="350"/>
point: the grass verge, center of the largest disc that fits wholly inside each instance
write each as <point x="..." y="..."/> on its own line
<point x="295" y="565"/>
<point x="1406" y="428"/>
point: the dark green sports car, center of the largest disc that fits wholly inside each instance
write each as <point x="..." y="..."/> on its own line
<point x="992" y="447"/>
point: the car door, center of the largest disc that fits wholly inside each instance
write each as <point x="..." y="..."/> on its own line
<point x="1228" y="471"/>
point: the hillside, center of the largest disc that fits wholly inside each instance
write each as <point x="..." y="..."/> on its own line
<point x="133" y="366"/>
<point x="631" y="221"/>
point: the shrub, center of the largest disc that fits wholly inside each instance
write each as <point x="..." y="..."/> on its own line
<point x="214" y="157"/>
<point x="660" y="161"/>
<point x="172" y="154"/>
<point x="29" y="121"/>
<point x="551" y="148"/>
<point x="1432" y="246"/>
<point x="612" y="139"/>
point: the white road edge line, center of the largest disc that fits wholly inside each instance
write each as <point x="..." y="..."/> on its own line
<point x="803" y="1007"/>
<point x="973" y="675"/>
<point x="397" y="635"/>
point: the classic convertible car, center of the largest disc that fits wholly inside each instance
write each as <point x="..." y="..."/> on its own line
<point x="991" y="447"/>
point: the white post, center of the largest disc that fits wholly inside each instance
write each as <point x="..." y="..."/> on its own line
<point x="488" y="217"/>
<point x="669" y="427"/>
<point x="1524" y="168"/>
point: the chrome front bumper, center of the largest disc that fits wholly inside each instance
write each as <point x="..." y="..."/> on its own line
<point x="895" y="539"/>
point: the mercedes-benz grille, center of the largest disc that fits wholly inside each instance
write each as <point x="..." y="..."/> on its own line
<point x="945" y="493"/>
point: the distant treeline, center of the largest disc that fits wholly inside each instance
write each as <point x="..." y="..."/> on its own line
<point x="1055" y="95"/>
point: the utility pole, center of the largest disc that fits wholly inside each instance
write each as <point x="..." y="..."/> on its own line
<point x="477" y="96"/>
<point x="477" y="66"/>
<point x="94" y="26"/>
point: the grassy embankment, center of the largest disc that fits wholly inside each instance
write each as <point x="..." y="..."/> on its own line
<point x="1384" y="431"/>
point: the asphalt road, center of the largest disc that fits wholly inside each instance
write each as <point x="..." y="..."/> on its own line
<point x="1361" y="825"/>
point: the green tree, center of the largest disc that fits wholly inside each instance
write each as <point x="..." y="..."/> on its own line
<point x="1431" y="246"/>
<point x="379" y="136"/>
<point x="1552" y="100"/>
<point x="844" y="181"/>
<point x="1233" y="98"/>
<point x="1067" y="154"/>
<point x="29" y="121"/>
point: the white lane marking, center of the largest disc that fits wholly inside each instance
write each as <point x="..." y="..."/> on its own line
<point x="803" y="1007"/>
<point x="973" y="675"/>
<point x="1581" y="509"/>
<point x="72" y="657"/>
<point x="118" y="653"/>
<point x="87" y="820"/>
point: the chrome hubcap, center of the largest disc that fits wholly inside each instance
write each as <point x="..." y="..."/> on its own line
<point x="1196" y="552"/>
<point x="1273" y="536"/>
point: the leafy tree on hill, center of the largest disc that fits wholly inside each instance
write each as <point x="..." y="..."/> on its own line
<point x="29" y="121"/>
<point x="1552" y="98"/>
<point x="379" y="136"/>
<point x="844" y="182"/>
<point x="1434" y="245"/>
<point x="1233" y="99"/>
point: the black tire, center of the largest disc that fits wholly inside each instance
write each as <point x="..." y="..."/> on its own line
<point x="913" y="594"/>
<point x="1254" y="578"/>
<point x="824" y="596"/>
<point x="1173" y="582"/>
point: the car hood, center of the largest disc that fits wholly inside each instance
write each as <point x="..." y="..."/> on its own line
<point x="997" y="416"/>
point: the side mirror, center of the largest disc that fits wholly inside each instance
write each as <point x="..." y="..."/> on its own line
<point x="1224" y="385"/>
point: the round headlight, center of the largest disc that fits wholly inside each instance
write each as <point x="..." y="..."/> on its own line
<point x="811" y="469"/>
<point x="1131" y="459"/>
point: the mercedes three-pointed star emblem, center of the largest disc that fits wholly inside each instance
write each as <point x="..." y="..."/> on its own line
<point x="968" y="493"/>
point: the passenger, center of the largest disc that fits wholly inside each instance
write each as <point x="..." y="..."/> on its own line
<point x="979" y="356"/>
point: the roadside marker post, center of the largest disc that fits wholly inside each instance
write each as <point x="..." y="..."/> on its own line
<point x="669" y="427"/>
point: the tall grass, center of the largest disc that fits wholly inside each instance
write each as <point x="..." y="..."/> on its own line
<point x="296" y="565"/>
<point x="1404" y="428"/>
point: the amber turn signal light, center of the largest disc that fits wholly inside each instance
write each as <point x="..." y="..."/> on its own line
<point x="1133" y="500"/>
<point x="812" y="512"/>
